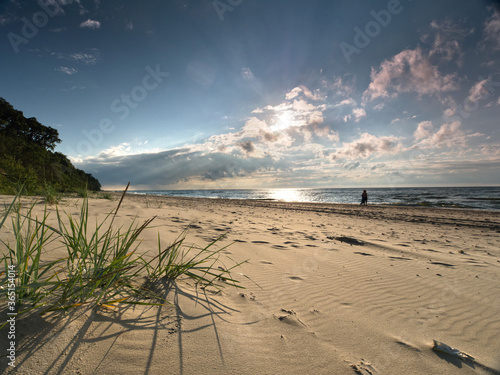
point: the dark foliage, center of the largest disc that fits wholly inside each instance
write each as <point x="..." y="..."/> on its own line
<point x="27" y="157"/>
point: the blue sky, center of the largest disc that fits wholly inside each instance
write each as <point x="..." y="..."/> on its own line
<point x="252" y="94"/>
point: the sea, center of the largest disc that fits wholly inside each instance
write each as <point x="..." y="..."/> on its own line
<point x="479" y="198"/>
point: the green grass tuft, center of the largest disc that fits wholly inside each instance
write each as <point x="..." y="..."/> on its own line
<point x="101" y="267"/>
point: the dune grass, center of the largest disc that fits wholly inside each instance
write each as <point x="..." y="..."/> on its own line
<point x="101" y="267"/>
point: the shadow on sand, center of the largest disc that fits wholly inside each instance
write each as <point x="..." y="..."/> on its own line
<point x="61" y="339"/>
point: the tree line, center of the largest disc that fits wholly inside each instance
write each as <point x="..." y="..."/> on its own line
<point x="28" y="159"/>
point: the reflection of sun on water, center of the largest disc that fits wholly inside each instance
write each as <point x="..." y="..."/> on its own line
<point x="287" y="195"/>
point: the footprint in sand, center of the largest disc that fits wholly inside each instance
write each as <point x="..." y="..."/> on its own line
<point x="364" y="254"/>
<point x="263" y="242"/>
<point x="443" y="264"/>
<point x="351" y="241"/>
<point x="291" y="318"/>
<point x="296" y="278"/>
<point x="364" y="368"/>
<point x="280" y="247"/>
<point x="399" y="258"/>
<point x="265" y="262"/>
<point x="222" y="229"/>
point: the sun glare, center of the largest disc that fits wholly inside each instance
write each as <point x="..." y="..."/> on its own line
<point x="283" y="121"/>
<point x="287" y="195"/>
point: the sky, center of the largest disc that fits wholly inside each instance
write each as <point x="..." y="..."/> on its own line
<point x="202" y="94"/>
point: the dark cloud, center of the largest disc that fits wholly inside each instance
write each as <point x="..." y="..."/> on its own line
<point x="174" y="166"/>
<point x="247" y="146"/>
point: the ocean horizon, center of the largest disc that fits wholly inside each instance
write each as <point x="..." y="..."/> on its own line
<point x="479" y="198"/>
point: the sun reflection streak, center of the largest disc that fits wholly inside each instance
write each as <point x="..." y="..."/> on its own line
<point x="286" y="195"/>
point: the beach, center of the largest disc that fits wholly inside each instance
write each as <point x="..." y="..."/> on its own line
<point x="328" y="289"/>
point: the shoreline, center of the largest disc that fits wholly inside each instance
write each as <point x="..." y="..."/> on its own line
<point x="423" y="205"/>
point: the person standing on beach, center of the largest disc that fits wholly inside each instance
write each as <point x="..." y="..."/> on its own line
<point x="364" y="198"/>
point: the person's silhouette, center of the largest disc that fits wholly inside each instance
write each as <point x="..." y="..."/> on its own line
<point x="364" y="198"/>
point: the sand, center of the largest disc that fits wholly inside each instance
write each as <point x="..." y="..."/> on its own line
<point x="331" y="289"/>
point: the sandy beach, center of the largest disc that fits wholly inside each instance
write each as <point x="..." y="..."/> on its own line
<point x="329" y="289"/>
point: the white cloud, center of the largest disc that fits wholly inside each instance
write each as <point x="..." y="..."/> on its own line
<point x="293" y="93"/>
<point x="448" y="135"/>
<point x="423" y="130"/>
<point x="408" y="71"/>
<point x="296" y="91"/>
<point x="91" y="24"/>
<point x="90" y="57"/>
<point x="120" y="150"/>
<point x="317" y="95"/>
<point x="479" y="91"/>
<point x="449" y="112"/>
<point x="349" y="101"/>
<point x="247" y="74"/>
<point x="316" y="118"/>
<point x="66" y="70"/>
<point x="303" y="106"/>
<point x="358" y="113"/>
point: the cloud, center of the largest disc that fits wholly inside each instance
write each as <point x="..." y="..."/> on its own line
<point x="295" y="118"/>
<point x="247" y="74"/>
<point x="129" y="26"/>
<point x="303" y="106"/>
<point x="479" y="91"/>
<point x="296" y="91"/>
<point x="316" y="118"/>
<point x="341" y="86"/>
<point x="66" y="70"/>
<point x="448" y="135"/>
<point x="90" y="24"/>
<point x="315" y="96"/>
<point x="447" y="41"/>
<point x="358" y="113"/>
<point x="349" y="101"/>
<point x="492" y="30"/>
<point x="172" y="167"/>
<point x="293" y="93"/>
<point x="408" y="71"/>
<point x="352" y="165"/>
<point x="423" y="130"/>
<point x="90" y="57"/>
<point x="247" y="146"/>
<point x="368" y="145"/>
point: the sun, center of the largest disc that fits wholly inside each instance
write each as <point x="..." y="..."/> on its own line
<point x="284" y="121"/>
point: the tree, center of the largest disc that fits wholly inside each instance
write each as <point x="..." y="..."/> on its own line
<point x="27" y="156"/>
